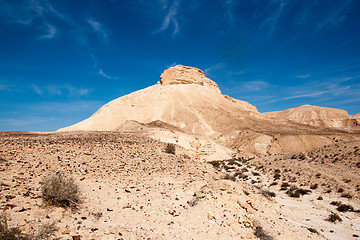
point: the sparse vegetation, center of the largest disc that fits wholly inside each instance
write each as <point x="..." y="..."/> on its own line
<point x="261" y="234"/>
<point x="268" y="194"/>
<point x="170" y="148"/>
<point x="297" y="192"/>
<point x="313" y="230"/>
<point x="346" y="195"/>
<point x="215" y="163"/>
<point x="46" y="231"/>
<point x="8" y="233"/>
<point x="344" y="208"/>
<point x="229" y="177"/>
<point x="333" y="217"/>
<point x="60" y="190"/>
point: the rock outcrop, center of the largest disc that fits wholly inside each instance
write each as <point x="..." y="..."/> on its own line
<point x="189" y="110"/>
<point x="185" y="75"/>
<point x="318" y="117"/>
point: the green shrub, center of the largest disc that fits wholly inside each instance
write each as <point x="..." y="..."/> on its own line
<point x="60" y="190"/>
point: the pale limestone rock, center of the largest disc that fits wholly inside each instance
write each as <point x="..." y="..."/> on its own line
<point x="185" y="75"/>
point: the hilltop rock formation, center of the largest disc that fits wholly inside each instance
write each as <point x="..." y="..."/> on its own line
<point x="185" y="75"/>
<point x="188" y="109"/>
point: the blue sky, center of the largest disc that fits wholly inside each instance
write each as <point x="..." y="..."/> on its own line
<point x="62" y="60"/>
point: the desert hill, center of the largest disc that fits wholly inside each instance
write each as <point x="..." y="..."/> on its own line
<point x="318" y="116"/>
<point x="211" y="125"/>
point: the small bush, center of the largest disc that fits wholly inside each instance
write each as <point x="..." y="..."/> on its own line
<point x="314" y="186"/>
<point x="346" y="195"/>
<point x="215" y="163"/>
<point x="261" y="234"/>
<point x="46" y="231"/>
<point x="268" y="194"/>
<point x="170" y="148"/>
<point x="277" y="176"/>
<point x="313" y="230"/>
<point x="8" y="233"/>
<point x="229" y="177"/>
<point x="60" y="190"/>
<point x="333" y="217"/>
<point x="344" y="208"/>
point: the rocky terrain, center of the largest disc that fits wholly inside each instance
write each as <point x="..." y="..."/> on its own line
<point x="131" y="189"/>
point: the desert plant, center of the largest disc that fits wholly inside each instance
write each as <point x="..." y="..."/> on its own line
<point x="333" y="217"/>
<point x="346" y="195"/>
<point x="261" y="234"/>
<point x="313" y="230"/>
<point x="8" y="233"/>
<point x="46" y="231"/>
<point x="60" y="190"/>
<point x="170" y="148"/>
<point x="215" y="163"/>
<point x="268" y="194"/>
<point x="344" y="208"/>
<point x="229" y="177"/>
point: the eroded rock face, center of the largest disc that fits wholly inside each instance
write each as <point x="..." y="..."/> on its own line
<point x="185" y="75"/>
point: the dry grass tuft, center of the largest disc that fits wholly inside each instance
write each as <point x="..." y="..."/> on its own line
<point x="60" y="190"/>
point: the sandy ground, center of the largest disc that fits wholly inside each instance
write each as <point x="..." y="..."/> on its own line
<point x="330" y="173"/>
<point x="131" y="189"/>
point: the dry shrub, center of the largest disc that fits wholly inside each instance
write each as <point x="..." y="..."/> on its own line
<point x="268" y="194"/>
<point x="170" y="148"/>
<point x="7" y="233"/>
<point x="46" y="231"/>
<point x="261" y="234"/>
<point x="60" y="190"/>
<point x="333" y="217"/>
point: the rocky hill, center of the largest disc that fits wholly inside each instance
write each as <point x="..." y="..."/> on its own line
<point x="319" y="117"/>
<point x="212" y="125"/>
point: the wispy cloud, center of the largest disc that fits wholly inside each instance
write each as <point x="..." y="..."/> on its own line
<point x="346" y="87"/>
<point x="98" y="28"/>
<point x="171" y="18"/>
<point x="54" y="90"/>
<point x="105" y="75"/>
<point x="303" y="76"/>
<point x="254" y="85"/>
<point x="335" y="18"/>
<point x="37" y="90"/>
<point x="271" y="21"/>
<point x="51" y="32"/>
<point x="209" y="71"/>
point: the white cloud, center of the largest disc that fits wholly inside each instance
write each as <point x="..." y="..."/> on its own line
<point x="254" y="85"/>
<point x="105" y="75"/>
<point x="54" y="90"/>
<point x="51" y="32"/>
<point x="270" y="23"/>
<point x="97" y="27"/>
<point x="209" y="70"/>
<point x="37" y="90"/>
<point x="303" y="76"/>
<point x="171" y="17"/>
